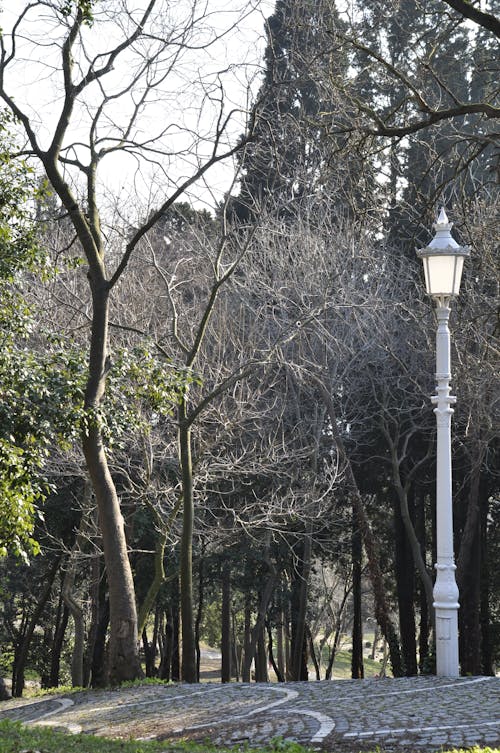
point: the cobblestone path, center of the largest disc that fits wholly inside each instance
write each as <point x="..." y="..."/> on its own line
<point x="409" y="714"/>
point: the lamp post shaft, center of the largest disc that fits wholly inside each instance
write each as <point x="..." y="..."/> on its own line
<point x="445" y="587"/>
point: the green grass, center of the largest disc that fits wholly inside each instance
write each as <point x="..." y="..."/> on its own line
<point x="342" y="666"/>
<point x="15" y="738"/>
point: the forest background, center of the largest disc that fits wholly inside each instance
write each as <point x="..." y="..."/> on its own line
<point x="216" y="424"/>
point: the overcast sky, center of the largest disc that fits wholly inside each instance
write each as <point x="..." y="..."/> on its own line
<point x="235" y="60"/>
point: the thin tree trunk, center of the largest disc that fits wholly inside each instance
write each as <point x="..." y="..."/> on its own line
<point x="405" y="587"/>
<point x="186" y="550"/>
<point x="22" y="653"/>
<point x="166" y="638"/>
<point x="299" y="666"/>
<point x="159" y="567"/>
<point x="236" y="652"/>
<point x="423" y="634"/>
<point x="73" y="605"/>
<point x="94" y="592"/>
<point x="312" y="652"/>
<point x="261" y="673"/>
<point x="336" y="637"/>
<point x="469" y="577"/>
<point x="148" y="654"/>
<point x="174" y="620"/>
<point x="155" y="639"/>
<point x="375" y="641"/>
<point x="280" y="654"/>
<point x="265" y="599"/>
<point x="199" y="611"/>
<point x="98" y="675"/>
<point x="486" y="641"/>
<point x="414" y="543"/>
<point x="272" y="661"/>
<point x="226" y="624"/>
<point x="357" y="666"/>
<point x="79" y="627"/>
<point x="57" y="644"/>
<point x="382" y="612"/>
<point x="247" y="663"/>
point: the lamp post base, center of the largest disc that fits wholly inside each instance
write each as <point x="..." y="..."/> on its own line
<point x="446" y="610"/>
<point x="446" y="642"/>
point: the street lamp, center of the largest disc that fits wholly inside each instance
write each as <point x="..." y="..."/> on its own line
<point x="443" y="261"/>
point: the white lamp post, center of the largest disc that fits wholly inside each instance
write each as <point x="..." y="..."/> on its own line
<point x="443" y="261"/>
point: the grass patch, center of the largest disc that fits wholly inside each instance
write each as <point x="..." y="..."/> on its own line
<point x="342" y="666"/>
<point x="16" y="738"/>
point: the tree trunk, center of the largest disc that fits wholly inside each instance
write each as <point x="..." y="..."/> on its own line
<point x="469" y="577"/>
<point x="257" y="630"/>
<point x="22" y="652"/>
<point x="279" y="674"/>
<point x="236" y="652"/>
<point x="164" y="528"/>
<point x="186" y="550"/>
<point x="336" y="637"/>
<point x="486" y="641"/>
<point x="300" y="584"/>
<point x="312" y="652"/>
<point x="124" y="663"/>
<point x="375" y="641"/>
<point x="411" y="536"/>
<point x="405" y="585"/>
<point x="199" y="612"/>
<point x="79" y="627"/>
<point x="382" y="612"/>
<point x="95" y="600"/>
<point x="98" y="674"/>
<point x="166" y="638"/>
<point x="226" y="624"/>
<point x="155" y="639"/>
<point x="4" y="691"/>
<point x="245" y="672"/>
<point x="174" y="620"/>
<point x="73" y="605"/>
<point x="280" y="649"/>
<point x="147" y="647"/>
<point x="357" y="666"/>
<point x="57" y="644"/>
<point x="156" y="583"/>
<point x="261" y="673"/>
<point x="424" y="626"/>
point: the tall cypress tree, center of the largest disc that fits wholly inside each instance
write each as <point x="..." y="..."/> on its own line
<point x="290" y="158"/>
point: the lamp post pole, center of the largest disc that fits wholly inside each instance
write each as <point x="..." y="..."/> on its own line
<point x="445" y="586"/>
<point x="443" y="261"/>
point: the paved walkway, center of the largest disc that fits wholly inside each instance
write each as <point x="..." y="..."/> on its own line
<point x="409" y="714"/>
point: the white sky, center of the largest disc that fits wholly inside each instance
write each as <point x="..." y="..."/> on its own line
<point x="183" y="107"/>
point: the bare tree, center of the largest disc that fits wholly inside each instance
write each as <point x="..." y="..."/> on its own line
<point x="105" y="80"/>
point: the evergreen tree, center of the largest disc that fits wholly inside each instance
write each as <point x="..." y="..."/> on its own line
<point x="290" y="159"/>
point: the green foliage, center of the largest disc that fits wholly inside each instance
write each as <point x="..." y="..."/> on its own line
<point x="142" y="379"/>
<point x="15" y="738"/>
<point x="42" y="405"/>
<point x="143" y="681"/>
<point x="61" y="689"/>
<point x="83" y="6"/>
<point x="18" y="187"/>
<point x="23" y="440"/>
